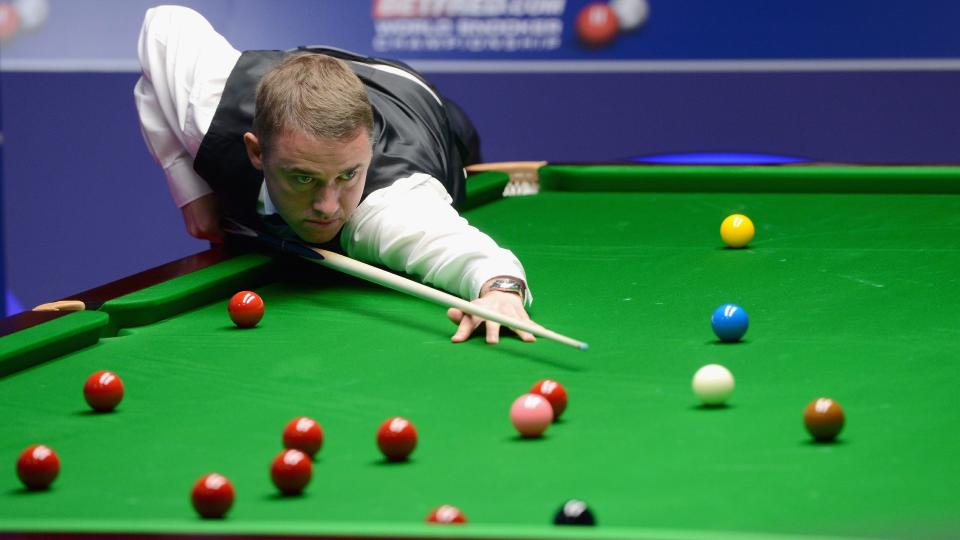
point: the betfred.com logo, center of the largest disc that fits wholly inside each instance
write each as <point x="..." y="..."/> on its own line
<point x="407" y="9"/>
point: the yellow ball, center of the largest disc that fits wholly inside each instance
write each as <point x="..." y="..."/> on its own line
<point x="736" y="231"/>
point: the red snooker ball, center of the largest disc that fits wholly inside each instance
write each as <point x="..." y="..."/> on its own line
<point x="103" y="391"/>
<point x="9" y="22"/>
<point x="246" y="309"/>
<point x="446" y="514"/>
<point x="212" y="495"/>
<point x="555" y="393"/>
<point x="291" y="471"/>
<point x="303" y="434"/>
<point x="597" y="24"/>
<point x="397" y="438"/>
<point x="38" y="466"/>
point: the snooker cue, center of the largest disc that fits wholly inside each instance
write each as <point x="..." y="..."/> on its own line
<point x="506" y="166"/>
<point x="379" y="276"/>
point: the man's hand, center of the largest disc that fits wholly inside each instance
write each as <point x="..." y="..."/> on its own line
<point x="202" y="218"/>
<point x="507" y="303"/>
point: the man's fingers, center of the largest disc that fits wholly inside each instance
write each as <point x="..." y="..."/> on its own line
<point x="465" y="330"/>
<point x="455" y="315"/>
<point x="526" y="336"/>
<point x="493" y="332"/>
<point x="467" y="325"/>
<point x="216" y="237"/>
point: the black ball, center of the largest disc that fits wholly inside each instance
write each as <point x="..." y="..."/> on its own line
<point x="574" y="512"/>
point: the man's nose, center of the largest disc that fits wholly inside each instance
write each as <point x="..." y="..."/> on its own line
<point x="326" y="200"/>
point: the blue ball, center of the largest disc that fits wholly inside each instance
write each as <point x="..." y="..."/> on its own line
<point x="729" y="322"/>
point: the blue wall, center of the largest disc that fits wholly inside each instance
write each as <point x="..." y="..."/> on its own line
<point x="84" y="202"/>
<point x="3" y="251"/>
<point x="85" y="30"/>
<point x="851" y="117"/>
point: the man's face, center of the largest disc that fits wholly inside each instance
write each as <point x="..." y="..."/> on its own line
<point x="316" y="183"/>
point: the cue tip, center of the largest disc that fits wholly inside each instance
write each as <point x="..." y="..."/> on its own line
<point x="584" y="346"/>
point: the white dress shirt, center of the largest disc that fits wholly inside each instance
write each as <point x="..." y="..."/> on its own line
<point x="409" y="226"/>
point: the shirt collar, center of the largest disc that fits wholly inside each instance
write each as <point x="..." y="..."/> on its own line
<point x="265" y="206"/>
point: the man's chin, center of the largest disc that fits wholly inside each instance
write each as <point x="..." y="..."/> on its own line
<point x="317" y="236"/>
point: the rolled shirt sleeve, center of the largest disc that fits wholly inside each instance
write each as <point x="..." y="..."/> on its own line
<point x="411" y="227"/>
<point x="185" y="65"/>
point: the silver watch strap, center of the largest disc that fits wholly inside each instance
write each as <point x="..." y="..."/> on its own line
<point x="509" y="285"/>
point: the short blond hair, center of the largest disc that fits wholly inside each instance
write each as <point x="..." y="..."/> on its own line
<point x="317" y="94"/>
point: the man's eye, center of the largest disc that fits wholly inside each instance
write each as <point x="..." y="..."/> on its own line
<point x="348" y="175"/>
<point x="302" y="179"/>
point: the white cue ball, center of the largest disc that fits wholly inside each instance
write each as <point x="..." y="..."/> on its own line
<point x="630" y="13"/>
<point x="713" y="384"/>
<point x="33" y="13"/>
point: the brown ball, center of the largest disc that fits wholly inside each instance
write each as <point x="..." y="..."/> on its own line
<point x="823" y="418"/>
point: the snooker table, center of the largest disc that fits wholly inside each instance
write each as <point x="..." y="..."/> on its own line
<point x="852" y="285"/>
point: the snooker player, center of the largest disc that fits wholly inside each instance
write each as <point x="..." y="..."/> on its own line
<point x="326" y="146"/>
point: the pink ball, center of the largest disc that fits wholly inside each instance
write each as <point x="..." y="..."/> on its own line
<point x="531" y="414"/>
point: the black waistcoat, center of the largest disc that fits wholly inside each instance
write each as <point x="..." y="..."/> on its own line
<point x="412" y="133"/>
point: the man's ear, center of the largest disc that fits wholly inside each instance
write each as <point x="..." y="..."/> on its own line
<point x="254" y="152"/>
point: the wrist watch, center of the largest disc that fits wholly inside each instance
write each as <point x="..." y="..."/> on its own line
<point x="507" y="284"/>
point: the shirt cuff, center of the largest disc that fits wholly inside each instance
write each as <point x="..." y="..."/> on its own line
<point x="496" y="267"/>
<point x="184" y="183"/>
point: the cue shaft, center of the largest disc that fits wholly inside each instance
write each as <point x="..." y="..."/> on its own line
<point x="388" y="279"/>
